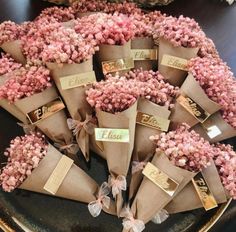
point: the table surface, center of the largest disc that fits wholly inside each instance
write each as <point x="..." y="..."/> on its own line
<point x="217" y="19"/>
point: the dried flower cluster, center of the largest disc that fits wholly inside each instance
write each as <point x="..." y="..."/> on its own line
<point x="24" y="155"/>
<point x="8" y="64"/>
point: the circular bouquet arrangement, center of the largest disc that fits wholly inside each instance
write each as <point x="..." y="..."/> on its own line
<point x="146" y="91"/>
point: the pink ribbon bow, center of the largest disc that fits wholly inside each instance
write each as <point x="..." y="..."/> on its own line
<point x="138" y="166"/>
<point x="95" y="207"/>
<point x="117" y="184"/>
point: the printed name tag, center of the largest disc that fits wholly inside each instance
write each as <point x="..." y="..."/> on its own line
<point x="45" y="111"/>
<point x="76" y="80"/>
<point x="203" y="191"/>
<point x="144" y="54"/>
<point x="193" y="108"/>
<point x="58" y="175"/>
<point x="112" y="135"/>
<point x="213" y="131"/>
<point x="174" y="62"/>
<point x="161" y="179"/>
<point x="151" y="121"/>
<point x="117" y="65"/>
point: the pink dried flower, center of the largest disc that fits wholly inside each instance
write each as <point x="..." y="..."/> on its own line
<point x="83" y="6"/>
<point x="8" y="64"/>
<point x="208" y="48"/>
<point x="24" y="155"/>
<point x="25" y="82"/>
<point x="186" y="149"/>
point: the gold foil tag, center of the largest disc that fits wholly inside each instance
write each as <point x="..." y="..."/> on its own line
<point x="117" y="65"/>
<point x="193" y="108"/>
<point x="45" y="111"/>
<point x="112" y="135"/>
<point x="76" y="80"/>
<point x="203" y="191"/>
<point x="161" y="179"/>
<point x="58" y="175"/>
<point x="213" y="131"/>
<point x="174" y="62"/>
<point x="144" y="54"/>
<point x="152" y="121"/>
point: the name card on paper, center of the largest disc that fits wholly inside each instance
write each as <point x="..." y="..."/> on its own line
<point x="174" y="62"/>
<point x="76" y="80"/>
<point x="117" y="65"/>
<point x="151" y="121"/>
<point x="213" y="131"/>
<point x="161" y="179"/>
<point x="112" y="135"/>
<point x="203" y="191"/>
<point x="193" y="108"/>
<point x="144" y="54"/>
<point x="45" y="111"/>
<point x="58" y="175"/>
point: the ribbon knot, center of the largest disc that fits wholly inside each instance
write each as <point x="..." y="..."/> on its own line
<point x="95" y="207"/>
<point x="138" y="166"/>
<point x="66" y="147"/>
<point x="117" y="184"/>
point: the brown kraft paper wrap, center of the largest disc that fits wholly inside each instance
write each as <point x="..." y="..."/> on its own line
<point x="118" y="155"/>
<point x="150" y="198"/>
<point x="216" y="121"/>
<point x="174" y="76"/>
<point x="192" y="89"/>
<point x="143" y="146"/>
<point x="84" y="14"/>
<point x="188" y="198"/>
<point x="14" y="49"/>
<point x="144" y="43"/>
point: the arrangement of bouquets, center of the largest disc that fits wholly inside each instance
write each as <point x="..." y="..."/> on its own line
<point x="10" y="36"/>
<point x="180" y="39"/>
<point x="35" y="165"/>
<point x="209" y="73"/>
<point x="179" y="156"/>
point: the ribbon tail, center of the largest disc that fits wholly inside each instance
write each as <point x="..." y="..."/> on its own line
<point x="94" y="208"/>
<point x="160" y="217"/>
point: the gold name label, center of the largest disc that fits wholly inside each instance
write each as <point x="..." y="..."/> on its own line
<point x="174" y="62"/>
<point x="112" y="135"/>
<point x="45" y="111"/>
<point x="144" y="54"/>
<point x="117" y="65"/>
<point x="204" y="193"/>
<point x="76" y="80"/>
<point x="193" y="108"/>
<point x="58" y="175"/>
<point x="151" y="121"/>
<point x="161" y="179"/>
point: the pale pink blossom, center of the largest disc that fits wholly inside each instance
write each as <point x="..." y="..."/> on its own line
<point x="8" y="64"/>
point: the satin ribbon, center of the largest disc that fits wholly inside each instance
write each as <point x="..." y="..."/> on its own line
<point x="160" y="217"/>
<point x="138" y="166"/>
<point x="117" y="184"/>
<point x="95" y="207"/>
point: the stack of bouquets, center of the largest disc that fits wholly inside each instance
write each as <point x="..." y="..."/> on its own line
<point x="147" y="124"/>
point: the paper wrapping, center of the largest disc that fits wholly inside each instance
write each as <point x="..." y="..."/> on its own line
<point x="14" y="49"/>
<point x="188" y="198"/>
<point x="144" y="43"/>
<point x="144" y="148"/>
<point x="118" y="155"/>
<point x="69" y="24"/>
<point x="192" y="89"/>
<point x="174" y="76"/>
<point x="84" y="14"/>
<point x="227" y="131"/>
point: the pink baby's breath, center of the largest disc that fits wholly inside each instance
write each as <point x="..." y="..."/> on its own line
<point x="8" y="64"/>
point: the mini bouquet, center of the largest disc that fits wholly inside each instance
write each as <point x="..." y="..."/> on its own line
<point x="180" y="39"/>
<point x="10" y="35"/>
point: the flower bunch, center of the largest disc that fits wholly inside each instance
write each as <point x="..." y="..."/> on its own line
<point x="218" y="82"/>
<point x="84" y="6"/>
<point x="24" y="155"/>
<point x="185" y="149"/>
<point x="181" y="31"/>
<point x="25" y="82"/>
<point x="208" y="48"/>
<point x="8" y="64"/>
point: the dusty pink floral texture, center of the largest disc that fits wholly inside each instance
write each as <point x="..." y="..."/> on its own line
<point x="8" y="64"/>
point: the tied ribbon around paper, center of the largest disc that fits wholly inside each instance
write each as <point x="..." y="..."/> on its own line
<point x="160" y="217"/>
<point x="95" y="207"/>
<point x="66" y="147"/>
<point x="138" y="166"/>
<point x="129" y="223"/>
<point x="117" y="184"/>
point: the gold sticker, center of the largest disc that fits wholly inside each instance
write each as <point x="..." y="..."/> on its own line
<point x="152" y="121"/>
<point x="58" y="175"/>
<point x="193" y="108"/>
<point x="213" y="131"/>
<point x="161" y="179"/>
<point x="144" y="54"/>
<point x="45" y="111"/>
<point x="203" y="191"/>
<point x="76" y="80"/>
<point x="117" y="65"/>
<point x="112" y="135"/>
<point x="174" y="62"/>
